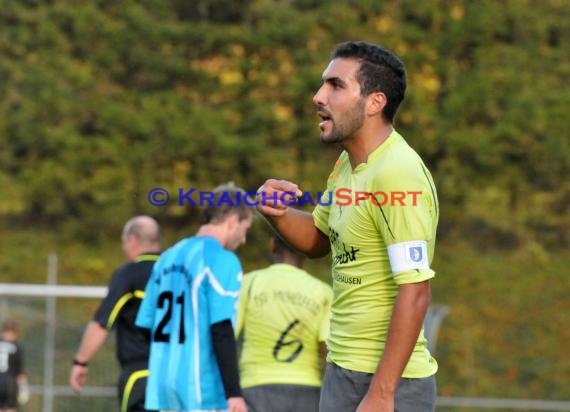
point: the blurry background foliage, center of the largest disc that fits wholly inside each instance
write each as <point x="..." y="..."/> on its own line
<point x="102" y="101"/>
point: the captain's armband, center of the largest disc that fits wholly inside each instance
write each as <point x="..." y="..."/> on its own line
<point x="408" y="256"/>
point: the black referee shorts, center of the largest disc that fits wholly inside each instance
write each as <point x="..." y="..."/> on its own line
<point x="132" y="387"/>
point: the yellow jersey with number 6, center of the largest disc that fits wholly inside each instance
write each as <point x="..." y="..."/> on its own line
<point x="283" y="316"/>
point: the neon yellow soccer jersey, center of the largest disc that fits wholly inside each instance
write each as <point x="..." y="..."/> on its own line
<point x="283" y="315"/>
<point x="381" y="219"/>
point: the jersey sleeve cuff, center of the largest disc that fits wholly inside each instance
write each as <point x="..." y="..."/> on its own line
<point x="413" y="276"/>
<point x="320" y="223"/>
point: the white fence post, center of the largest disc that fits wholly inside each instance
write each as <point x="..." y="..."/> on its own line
<point x="434" y="317"/>
<point x="49" y="351"/>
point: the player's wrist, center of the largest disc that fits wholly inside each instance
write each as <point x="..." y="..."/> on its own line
<point x="77" y="362"/>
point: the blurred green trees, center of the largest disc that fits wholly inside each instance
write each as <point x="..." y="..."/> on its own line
<point x="102" y="101"/>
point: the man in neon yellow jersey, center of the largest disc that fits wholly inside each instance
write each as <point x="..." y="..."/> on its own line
<point x="141" y="245"/>
<point x="283" y="318"/>
<point x="381" y="251"/>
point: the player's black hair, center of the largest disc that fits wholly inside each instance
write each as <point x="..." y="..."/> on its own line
<point x="380" y="71"/>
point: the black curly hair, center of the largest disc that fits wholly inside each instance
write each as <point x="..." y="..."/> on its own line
<point x="380" y="71"/>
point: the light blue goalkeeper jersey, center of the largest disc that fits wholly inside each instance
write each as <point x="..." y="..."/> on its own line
<point x="193" y="285"/>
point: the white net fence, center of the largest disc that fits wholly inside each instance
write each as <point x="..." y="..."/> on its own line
<point x="51" y="321"/>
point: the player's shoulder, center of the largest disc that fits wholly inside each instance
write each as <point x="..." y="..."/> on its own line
<point x="315" y="288"/>
<point x="134" y="268"/>
<point x="224" y="257"/>
<point x="399" y="166"/>
<point x="310" y="282"/>
<point x="124" y="269"/>
<point x="217" y="258"/>
<point x="399" y="155"/>
<point x="320" y="285"/>
<point x="178" y="250"/>
<point x="250" y="277"/>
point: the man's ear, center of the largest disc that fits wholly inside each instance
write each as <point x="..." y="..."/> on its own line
<point x="129" y="245"/>
<point x="376" y="103"/>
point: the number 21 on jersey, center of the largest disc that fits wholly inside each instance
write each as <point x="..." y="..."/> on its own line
<point x="166" y="300"/>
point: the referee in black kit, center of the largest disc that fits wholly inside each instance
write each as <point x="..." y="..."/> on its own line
<point x="141" y="245"/>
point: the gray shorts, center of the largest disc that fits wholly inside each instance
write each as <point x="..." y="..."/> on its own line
<point x="282" y="398"/>
<point x="343" y="390"/>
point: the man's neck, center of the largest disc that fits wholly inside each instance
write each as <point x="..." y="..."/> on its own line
<point x="296" y="261"/>
<point x="360" y="147"/>
<point x="141" y="250"/>
<point x="215" y="231"/>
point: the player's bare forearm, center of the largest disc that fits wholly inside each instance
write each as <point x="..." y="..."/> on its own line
<point x="296" y="227"/>
<point x="93" y="337"/>
<point x="405" y="326"/>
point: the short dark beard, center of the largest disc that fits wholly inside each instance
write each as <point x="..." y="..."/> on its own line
<point x="354" y="121"/>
